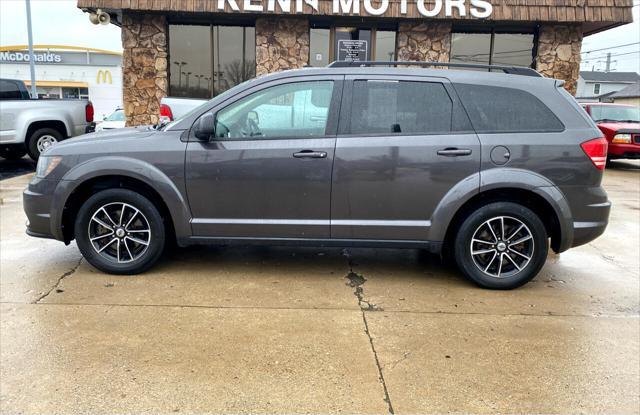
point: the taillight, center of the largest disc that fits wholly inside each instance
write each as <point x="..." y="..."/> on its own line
<point x="88" y="112"/>
<point x="596" y="149"/>
<point x="165" y="112"/>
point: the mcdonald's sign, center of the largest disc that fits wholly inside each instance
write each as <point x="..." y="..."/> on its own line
<point x="104" y="76"/>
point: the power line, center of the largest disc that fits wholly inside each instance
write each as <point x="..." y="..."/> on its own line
<point x="590" y="58"/>
<point x="611" y="47"/>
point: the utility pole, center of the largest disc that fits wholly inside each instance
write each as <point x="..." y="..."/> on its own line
<point x="608" y="67"/>
<point x="32" y="60"/>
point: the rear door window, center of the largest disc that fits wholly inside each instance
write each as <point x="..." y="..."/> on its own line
<point x="503" y="110"/>
<point x="400" y="107"/>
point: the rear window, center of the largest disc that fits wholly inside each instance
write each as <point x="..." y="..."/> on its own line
<point x="502" y="110"/>
<point x="400" y="107"/>
<point x="9" y="90"/>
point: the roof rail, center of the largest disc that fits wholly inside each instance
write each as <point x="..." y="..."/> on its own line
<point x="512" y="70"/>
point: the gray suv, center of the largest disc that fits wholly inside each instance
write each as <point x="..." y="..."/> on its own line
<point x="489" y="168"/>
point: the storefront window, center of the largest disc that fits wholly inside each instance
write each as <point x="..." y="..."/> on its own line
<point x="492" y="48"/>
<point x="512" y="49"/>
<point x="234" y="56"/>
<point x="319" y="47"/>
<point x="385" y="47"/>
<point x="70" y="93"/>
<point x="470" y="48"/>
<point x="208" y="60"/>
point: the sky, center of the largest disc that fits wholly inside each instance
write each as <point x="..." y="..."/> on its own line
<point x="61" y="22"/>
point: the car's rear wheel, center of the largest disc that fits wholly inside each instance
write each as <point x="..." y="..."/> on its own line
<point x="42" y="139"/>
<point x="120" y="232"/>
<point x="502" y="245"/>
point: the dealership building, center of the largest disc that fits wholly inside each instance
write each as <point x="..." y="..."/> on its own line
<point x="200" y="48"/>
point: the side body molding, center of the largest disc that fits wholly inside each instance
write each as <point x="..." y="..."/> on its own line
<point x="127" y="167"/>
<point x="502" y="178"/>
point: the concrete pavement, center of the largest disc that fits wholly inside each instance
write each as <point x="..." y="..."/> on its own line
<point x="304" y="330"/>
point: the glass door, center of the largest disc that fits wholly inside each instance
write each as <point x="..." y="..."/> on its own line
<point x="352" y="44"/>
<point x="345" y="43"/>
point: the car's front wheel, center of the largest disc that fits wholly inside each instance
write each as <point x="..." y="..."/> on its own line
<point x="41" y="140"/>
<point x="501" y="245"/>
<point x="120" y="231"/>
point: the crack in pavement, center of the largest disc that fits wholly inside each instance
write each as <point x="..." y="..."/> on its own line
<point x="356" y="281"/>
<point x="60" y="278"/>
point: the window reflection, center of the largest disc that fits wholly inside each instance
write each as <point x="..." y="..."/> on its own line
<point x="234" y="56"/>
<point x="190" y="62"/>
<point x="319" y="47"/>
<point x="208" y="60"/>
<point x="508" y="48"/>
<point x="385" y="49"/>
<point x="512" y="49"/>
<point x="470" y="48"/>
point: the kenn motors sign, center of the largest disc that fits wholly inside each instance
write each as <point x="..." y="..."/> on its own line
<point x="475" y="8"/>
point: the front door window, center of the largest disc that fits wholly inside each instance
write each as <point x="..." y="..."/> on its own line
<point x="297" y="110"/>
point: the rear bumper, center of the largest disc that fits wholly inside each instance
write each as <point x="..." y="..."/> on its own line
<point x="586" y="231"/>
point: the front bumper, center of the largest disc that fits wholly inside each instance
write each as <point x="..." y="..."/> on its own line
<point x="37" y="198"/>
<point x="626" y="151"/>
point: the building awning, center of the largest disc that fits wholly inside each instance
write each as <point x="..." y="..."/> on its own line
<point x="69" y="84"/>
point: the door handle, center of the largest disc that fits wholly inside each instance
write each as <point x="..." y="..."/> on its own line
<point x="454" y="152"/>
<point x="310" y="154"/>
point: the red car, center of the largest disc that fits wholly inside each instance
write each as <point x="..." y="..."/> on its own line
<point x="620" y="124"/>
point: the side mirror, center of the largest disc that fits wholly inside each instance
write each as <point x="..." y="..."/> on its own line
<point x="205" y="127"/>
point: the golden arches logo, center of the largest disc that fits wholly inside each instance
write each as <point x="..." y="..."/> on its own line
<point x="104" y="77"/>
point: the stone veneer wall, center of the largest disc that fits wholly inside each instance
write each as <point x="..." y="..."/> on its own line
<point x="144" y="67"/>
<point x="281" y="43"/>
<point x="430" y="42"/>
<point x="559" y="53"/>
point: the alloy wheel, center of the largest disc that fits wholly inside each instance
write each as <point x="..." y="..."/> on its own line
<point x="119" y="232"/>
<point x="502" y="247"/>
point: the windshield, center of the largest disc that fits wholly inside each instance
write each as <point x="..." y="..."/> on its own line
<point x="615" y="113"/>
<point x="197" y="109"/>
<point x="116" y="116"/>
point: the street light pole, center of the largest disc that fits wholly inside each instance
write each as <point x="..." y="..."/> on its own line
<point x="32" y="63"/>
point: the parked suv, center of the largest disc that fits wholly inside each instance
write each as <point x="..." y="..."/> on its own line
<point x="488" y="166"/>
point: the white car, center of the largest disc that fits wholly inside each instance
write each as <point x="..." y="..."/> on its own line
<point x="114" y="120"/>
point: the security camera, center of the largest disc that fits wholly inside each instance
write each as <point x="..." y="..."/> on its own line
<point x="100" y="17"/>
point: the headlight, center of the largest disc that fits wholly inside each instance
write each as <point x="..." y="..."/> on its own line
<point x="46" y="165"/>
<point x="622" y="139"/>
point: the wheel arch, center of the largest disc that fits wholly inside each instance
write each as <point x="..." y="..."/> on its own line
<point x="507" y="185"/>
<point x="57" y="125"/>
<point x="532" y="200"/>
<point x="83" y="180"/>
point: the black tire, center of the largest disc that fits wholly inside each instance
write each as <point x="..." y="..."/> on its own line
<point x="504" y="272"/>
<point x="32" y="141"/>
<point x="12" y="153"/>
<point x="107" y="260"/>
